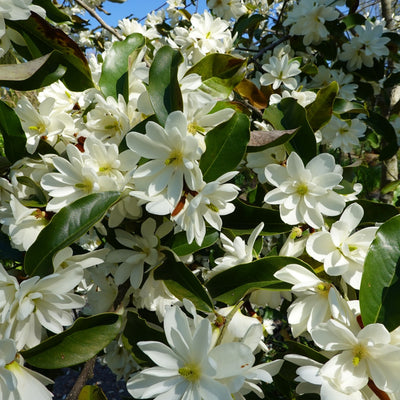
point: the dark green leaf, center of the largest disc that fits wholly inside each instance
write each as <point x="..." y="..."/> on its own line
<point x="33" y="74"/>
<point x="301" y="349"/>
<point x="232" y="284"/>
<point x="85" y="338"/>
<point x="137" y="329"/>
<point x="342" y="106"/>
<point x="13" y="134"/>
<point x="247" y="22"/>
<point x="225" y="147"/>
<point x="376" y="212"/>
<point x="181" y="247"/>
<point x="261" y="140"/>
<point x="393" y="80"/>
<point x="164" y="91"/>
<point x="245" y="218"/>
<point x="52" y="11"/>
<point x="220" y="73"/>
<point x="319" y="112"/>
<point x="288" y="114"/>
<point x="380" y="284"/>
<point x="7" y="252"/>
<point x="182" y="283"/>
<point x="353" y="20"/>
<point x="68" y="225"/>
<point x="385" y="129"/>
<point x="42" y="38"/>
<point x="39" y="193"/>
<point x="113" y="79"/>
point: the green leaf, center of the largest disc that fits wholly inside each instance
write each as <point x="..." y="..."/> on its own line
<point x="164" y="91"/>
<point x="52" y="11"/>
<point x="393" y="80"/>
<point x="113" y="79"/>
<point x="92" y="392"/>
<point x="34" y="74"/>
<point x="288" y="114"/>
<point x="68" y="225"/>
<point x="380" y="284"/>
<point x="245" y="218"/>
<point x="42" y="38"/>
<point x="385" y="129"/>
<point x="85" y="338"/>
<point x="376" y="212"/>
<point x="137" y="329"/>
<point x="341" y="106"/>
<point x="319" y="112"/>
<point x="39" y="193"/>
<point x="182" y="283"/>
<point x="301" y="349"/>
<point x="225" y="147"/>
<point x="181" y="247"/>
<point x="220" y="73"/>
<point x="247" y="22"/>
<point x="232" y="284"/>
<point x="13" y="134"/>
<point x="7" y="252"/>
<point x="353" y="20"/>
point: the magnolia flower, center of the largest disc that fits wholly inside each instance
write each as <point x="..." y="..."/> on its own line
<point x="16" y="381"/>
<point x="341" y="252"/>
<point x="189" y="368"/>
<point x="363" y="355"/>
<point x="280" y="71"/>
<point x="304" y="194"/>
<point x="315" y="298"/>
<point x="343" y="134"/>
<point x="173" y="153"/>
<point x="227" y="9"/>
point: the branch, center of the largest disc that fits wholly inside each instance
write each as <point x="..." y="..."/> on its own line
<point x="270" y="47"/>
<point x="103" y="23"/>
<point x="86" y="373"/>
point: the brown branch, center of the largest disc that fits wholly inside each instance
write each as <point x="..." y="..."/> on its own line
<point x="379" y="393"/>
<point x="103" y="23"/>
<point x="86" y="373"/>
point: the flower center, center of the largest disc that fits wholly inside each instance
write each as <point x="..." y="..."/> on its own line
<point x="212" y="207"/>
<point x="302" y="189"/>
<point x="359" y="352"/>
<point x="175" y="157"/>
<point x="190" y="372"/>
<point x="323" y="288"/>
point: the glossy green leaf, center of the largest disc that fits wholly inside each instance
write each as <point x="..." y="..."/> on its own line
<point x="164" y="91"/>
<point x="376" y="212"/>
<point x="13" y="134"/>
<point x="288" y="114"/>
<point x="181" y="247"/>
<point x="82" y="341"/>
<point x="232" y="284"/>
<point x="33" y="74"/>
<point x="247" y="22"/>
<point x="380" y="284"/>
<point x="92" y="392"/>
<point x="353" y="20"/>
<point x="68" y="225"/>
<point x="225" y="147"/>
<point x="303" y="350"/>
<point x="137" y="329"/>
<point x="52" y="11"/>
<point x="385" y="129"/>
<point x="39" y="194"/>
<point x="182" y="283"/>
<point x="42" y="38"/>
<point x="114" y="73"/>
<point x="220" y="73"/>
<point x="319" y="112"/>
<point x="246" y="217"/>
<point x="7" y="252"/>
<point x="261" y="140"/>
<point x="341" y="106"/>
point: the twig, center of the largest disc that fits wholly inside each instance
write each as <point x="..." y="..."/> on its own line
<point x="86" y="373"/>
<point x="94" y="14"/>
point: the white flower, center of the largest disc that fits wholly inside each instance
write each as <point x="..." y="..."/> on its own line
<point x="42" y="303"/>
<point x="308" y="18"/>
<point x="342" y="252"/>
<point x="173" y="154"/>
<point x="303" y="98"/>
<point x="207" y="203"/>
<point x="16" y="381"/>
<point x="314" y="298"/>
<point x="280" y="71"/>
<point x="227" y="9"/>
<point x="236" y="252"/>
<point x="189" y="368"/>
<point x="364" y="355"/>
<point x="343" y="134"/>
<point x="304" y="194"/>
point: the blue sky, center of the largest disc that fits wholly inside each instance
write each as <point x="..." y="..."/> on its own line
<point x="135" y="9"/>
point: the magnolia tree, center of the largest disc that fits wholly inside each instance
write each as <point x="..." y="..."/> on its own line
<point x="205" y="201"/>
